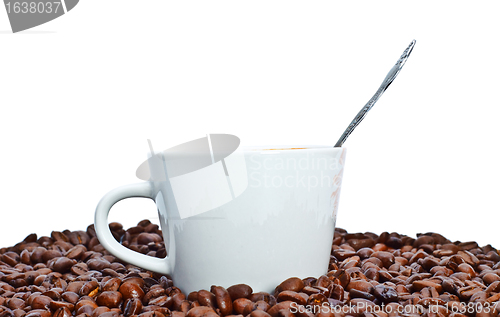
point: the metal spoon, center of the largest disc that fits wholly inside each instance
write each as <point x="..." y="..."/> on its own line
<point x="387" y="81"/>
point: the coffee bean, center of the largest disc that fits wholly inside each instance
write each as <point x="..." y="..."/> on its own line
<point x="162" y="301"/>
<point x="259" y="313"/>
<point x="39" y="313"/>
<point x="55" y="305"/>
<point x="387" y="258"/>
<point x="206" y="298"/>
<point x="364" y="253"/>
<point x="113" y="284"/>
<point x="337" y="292"/>
<point x="385" y="294"/>
<point x="273" y="311"/>
<point x="255" y="297"/>
<point x="223" y="299"/>
<point x="423" y="239"/>
<point x="89" y="288"/>
<point x="361" y="243"/>
<point x="63" y="264"/>
<point x="294" y="284"/>
<point x="41" y="302"/>
<point x="354" y="293"/>
<point x="76" y="252"/>
<point x="419" y="285"/>
<point x="317" y="299"/>
<point x="109" y="299"/>
<point x="291" y="296"/>
<point x="98" y="264"/>
<point x="360" y="285"/>
<point x="50" y="254"/>
<point x="85" y="302"/>
<point x="62" y="312"/>
<point x="133" y="306"/>
<point x="466" y="268"/>
<point x="239" y="304"/>
<point x="342" y="254"/>
<point x="14" y="303"/>
<point x="177" y="301"/>
<point x="79" y="269"/>
<point x="239" y="291"/>
<point x="153" y="293"/>
<point x="343" y="277"/>
<point x="201" y="311"/>
<point x="145" y="238"/>
<point x="131" y="290"/>
<point x="152" y="314"/>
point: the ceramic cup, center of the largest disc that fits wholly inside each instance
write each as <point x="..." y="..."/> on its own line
<point x="279" y="225"/>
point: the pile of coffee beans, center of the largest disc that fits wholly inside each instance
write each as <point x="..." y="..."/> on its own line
<point x="386" y="275"/>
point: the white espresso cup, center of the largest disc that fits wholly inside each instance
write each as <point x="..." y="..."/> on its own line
<point x="278" y="221"/>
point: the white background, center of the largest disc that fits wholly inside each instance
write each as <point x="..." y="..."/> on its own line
<point x="80" y="96"/>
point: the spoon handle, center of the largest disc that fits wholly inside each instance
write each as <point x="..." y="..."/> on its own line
<point x="393" y="73"/>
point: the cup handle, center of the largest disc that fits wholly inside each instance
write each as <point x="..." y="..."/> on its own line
<point x="105" y="237"/>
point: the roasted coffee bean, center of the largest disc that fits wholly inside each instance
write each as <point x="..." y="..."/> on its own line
<point x="109" y="299"/>
<point x="193" y="296"/>
<point x="38" y="313"/>
<point x="53" y="294"/>
<point x="364" y="253"/>
<point x="260" y="296"/>
<point x="223" y="299"/>
<point x="239" y="291"/>
<point x="131" y="290"/>
<point x="360" y="285"/>
<point x="50" y="254"/>
<point x="354" y="293"/>
<point x="162" y="301"/>
<point x="239" y="304"/>
<point x="291" y="296"/>
<point x="294" y="284"/>
<point x="85" y="302"/>
<point x="98" y="264"/>
<point x="90" y="288"/>
<point x="79" y="268"/>
<point x="177" y="301"/>
<point x="152" y="314"/>
<point x="466" y="268"/>
<point x="423" y="239"/>
<point x="274" y="310"/>
<point x="419" y="285"/>
<point x="385" y="294"/>
<point x="133" y="306"/>
<point x="361" y="243"/>
<point x="76" y="252"/>
<point x="62" y="312"/>
<point x="343" y="277"/>
<point x="55" y="305"/>
<point x="259" y="313"/>
<point x="146" y="238"/>
<point x="41" y="302"/>
<point x="15" y="303"/>
<point x="317" y="299"/>
<point x="63" y="264"/>
<point x="201" y="311"/>
<point x="387" y="258"/>
<point x="153" y="293"/>
<point x="206" y="298"/>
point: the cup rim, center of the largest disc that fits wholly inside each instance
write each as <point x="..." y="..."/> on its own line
<point x="286" y="148"/>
